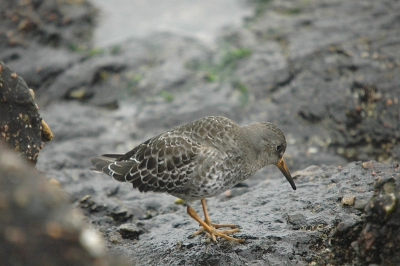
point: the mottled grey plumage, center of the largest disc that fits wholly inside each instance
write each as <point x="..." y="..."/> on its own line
<point x="198" y="160"/>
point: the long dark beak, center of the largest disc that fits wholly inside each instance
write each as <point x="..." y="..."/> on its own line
<point x="285" y="171"/>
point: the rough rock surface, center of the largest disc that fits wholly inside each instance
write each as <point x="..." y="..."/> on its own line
<point x="314" y="225"/>
<point x="325" y="72"/>
<point x="37" y="38"/>
<point x="20" y="123"/>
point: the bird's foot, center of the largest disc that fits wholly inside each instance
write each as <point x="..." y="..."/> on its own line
<point x="211" y="228"/>
<point x="214" y="226"/>
<point x="213" y="232"/>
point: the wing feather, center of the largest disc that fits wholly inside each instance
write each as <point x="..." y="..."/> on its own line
<point x="168" y="162"/>
<point x="155" y="165"/>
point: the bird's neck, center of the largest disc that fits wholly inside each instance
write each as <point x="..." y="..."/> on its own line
<point x="253" y="150"/>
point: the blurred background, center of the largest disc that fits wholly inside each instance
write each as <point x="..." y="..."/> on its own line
<point x="120" y="20"/>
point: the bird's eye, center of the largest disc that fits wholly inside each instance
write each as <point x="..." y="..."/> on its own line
<point x="279" y="147"/>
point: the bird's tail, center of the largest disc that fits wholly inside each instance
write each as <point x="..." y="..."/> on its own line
<point x="109" y="164"/>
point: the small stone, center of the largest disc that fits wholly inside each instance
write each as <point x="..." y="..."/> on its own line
<point x="115" y="238"/>
<point x="348" y="200"/>
<point x="130" y="231"/>
<point x="367" y="165"/>
<point x="32" y="92"/>
<point x="297" y="220"/>
<point x="86" y="202"/>
<point x="47" y="135"/>
<point x="345" y="226"/>
<point x="78" y="93"/>
<point x="85" y="198"/>
<point x="360" y="204"/>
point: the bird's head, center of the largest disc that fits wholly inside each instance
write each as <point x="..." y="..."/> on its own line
<point x="270" y="144"/>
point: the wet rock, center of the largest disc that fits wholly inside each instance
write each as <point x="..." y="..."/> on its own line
<point x="174" y="60"/>
<point x="39" y="65"/>
<point x="345" y="89"/>
<point x="130" y="231"/>
<point x="324" y="232"/>
<point x="375" y="238"/>
<point x="41" y="39"/>
<point x="267" y="58"/>
<point x="48" y="22"/>
<point x="297" y="221"/>
<point x="346" y="225"/>
<point x="20" y="123"/>
<point x="185" y="107"/>
<point x="100" y="79"/>
<point x="38" y="225"/>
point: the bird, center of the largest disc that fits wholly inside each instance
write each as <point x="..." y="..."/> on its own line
<point x="199" y="160"/>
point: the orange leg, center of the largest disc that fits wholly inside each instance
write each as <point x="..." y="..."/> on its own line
<point x="208" y="221"/>
<point x="211" y="227"/>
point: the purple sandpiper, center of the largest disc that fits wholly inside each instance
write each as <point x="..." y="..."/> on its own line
<point x="199" y="160"/>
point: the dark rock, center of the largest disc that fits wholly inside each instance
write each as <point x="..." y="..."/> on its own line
<point x="130" y="231"/>
<point x="186" y="107"/>
<point x="297" y="221"/>
<point x="37" y="224"/>
<point x="345" y="88"/>
<point x="41" y="39"/>
<point x="267" y="58"/>
<point x="375" y="236"/>
<point x="20" y="123"/>
<point x="100" y="79"/>
<point x="325" y="231"/>
<point x="48" y="22"/>
<point x="39" y="65"/>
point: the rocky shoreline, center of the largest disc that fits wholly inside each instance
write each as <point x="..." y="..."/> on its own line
<point x="325" y="72"/>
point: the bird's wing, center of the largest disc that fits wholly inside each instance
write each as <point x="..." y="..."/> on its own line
<point x="161" y="164"/>
<point x="167" y="161"/>
<point x="103" y="162"/>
